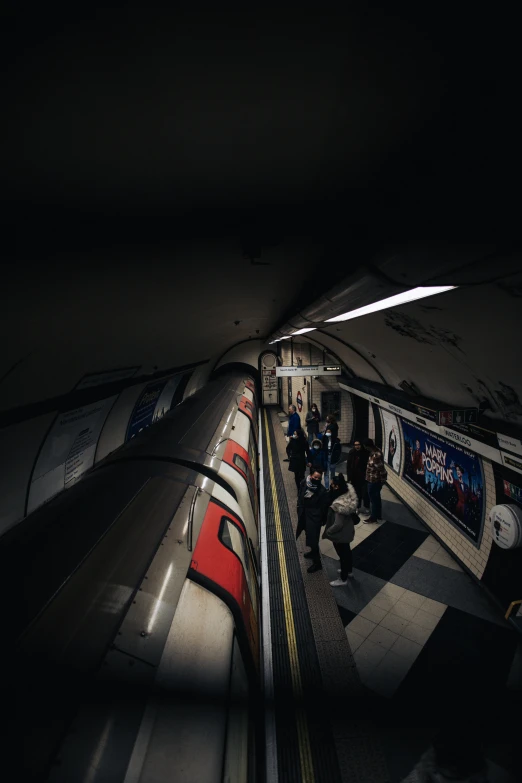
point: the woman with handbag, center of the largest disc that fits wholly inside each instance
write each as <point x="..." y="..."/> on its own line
<point x="340" y="523"/>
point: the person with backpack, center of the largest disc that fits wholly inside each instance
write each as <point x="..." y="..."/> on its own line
<point x="312" y="505"/>
<point x="376" y="477"/>
<point x="340" y="522"/>
<point x="317" y="456"/>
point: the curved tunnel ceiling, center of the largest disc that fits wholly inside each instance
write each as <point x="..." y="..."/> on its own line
<point x="168" y="174"/>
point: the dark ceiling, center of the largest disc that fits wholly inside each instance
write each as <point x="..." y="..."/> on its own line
<point x="196" y="121"/>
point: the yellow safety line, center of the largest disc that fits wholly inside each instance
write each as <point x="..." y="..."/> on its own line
<point x="305" y="752"/>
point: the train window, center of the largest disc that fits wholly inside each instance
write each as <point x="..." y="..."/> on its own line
<point x="238" y="728"/>
<point x="253" y="455"/>
<point x="241" y="464"/>
<point x="232" y="537"/>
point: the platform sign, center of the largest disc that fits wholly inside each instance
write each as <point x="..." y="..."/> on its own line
<point x="512" y="491"/>
<point x="506" y="526"/>
<point x="299" y="401"/>
<point x="316" y="369"/>
<point x="461" y="416"/>
<point x="143" y="413"/>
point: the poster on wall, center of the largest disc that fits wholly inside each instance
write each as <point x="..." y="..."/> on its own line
<point x="153" y="403"/>
<point x="448" y="475"/>
<point x="391" y="441"/>
<point x="68" y="451"/>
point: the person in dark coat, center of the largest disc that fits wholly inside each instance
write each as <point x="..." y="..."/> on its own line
<point x="313" y="417"/>
<point x="298" y="456"/>
<point x="340" y="525"/>
<point x="332" y="426"/>
<point x="312" y="506"/>
<point x="317" y="457"/>
<point x="294" y="423"/>
<point x="356" y="463"/>
<point x="332" y="451"/>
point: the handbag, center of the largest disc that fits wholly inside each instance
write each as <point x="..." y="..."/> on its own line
<point x="355" y="518"/>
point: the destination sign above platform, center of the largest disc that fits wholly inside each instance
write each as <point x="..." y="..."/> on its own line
<point x="310" y="369"/>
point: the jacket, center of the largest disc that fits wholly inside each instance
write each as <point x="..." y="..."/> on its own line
<point x="375" y="470"/>
<point x="335" y="452"/>
<point x="297" y="455"/>
<point x="312" y="422"/>
<point x="317" y="459"/>
<point x="339" y="523"/>
<point x="294" y="422"/>
<point x="356" y="463"/>
<point x="334" y="429"/>
<point x="311" y="511"/>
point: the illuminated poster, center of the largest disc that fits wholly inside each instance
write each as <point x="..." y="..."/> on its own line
<point x="153" y="403"/>
<point x="391" y="441"/>
<point x="68" y="451"/>
<point x="448" y="475"/>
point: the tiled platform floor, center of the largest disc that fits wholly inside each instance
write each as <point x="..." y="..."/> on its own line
<point x="428" y="643"/>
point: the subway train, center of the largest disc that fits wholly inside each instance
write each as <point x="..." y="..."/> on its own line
<point x="132" y="608"/>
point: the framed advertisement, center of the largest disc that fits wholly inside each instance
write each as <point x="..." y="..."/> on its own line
<point x="391" y="441"/>
<point x="447" y="475"/>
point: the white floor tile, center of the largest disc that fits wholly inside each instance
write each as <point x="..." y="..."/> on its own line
<point x="373" y="613"/>
<point x="425" y="554"/>
<point x="406" y="648"/>
<point x="394" y="623"/>
<point x="355" y="640"/>
<point x="403" y="610"/>
<point x="425" y="619"/>
<point x="416" y="633"/>
<point x="431" y="544"/>
<point x="383" y="636"/>
<point x="413" y="599"/>
<point x="385" y="602"/>
<point x="362" y="626"/>
<point x="394" y="591"/>
<point x="369" y="655"/>
<point x="434" y="607"/>
<point x="394" y="665"/>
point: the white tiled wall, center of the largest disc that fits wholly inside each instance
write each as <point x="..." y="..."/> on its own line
<point x="311" y="354"/>
<point x="475" y="559"/>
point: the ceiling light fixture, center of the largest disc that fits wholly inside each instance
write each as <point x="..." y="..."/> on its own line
<point x="393" y="301"/>
<point x="303" y="331"/>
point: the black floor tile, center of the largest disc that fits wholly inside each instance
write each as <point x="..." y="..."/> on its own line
<point x="346" y="615"/>
<point x="463" y="667"/>
<point x="387" y="549"/>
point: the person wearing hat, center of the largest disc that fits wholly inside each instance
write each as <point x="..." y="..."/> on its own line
<point x="312" y="505"/>
<point x="339" y="527"/>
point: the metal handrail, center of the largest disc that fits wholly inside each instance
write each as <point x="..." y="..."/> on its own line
<point x="511" y="606"/>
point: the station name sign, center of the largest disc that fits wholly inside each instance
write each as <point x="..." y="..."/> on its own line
<point x="315" y="369"/>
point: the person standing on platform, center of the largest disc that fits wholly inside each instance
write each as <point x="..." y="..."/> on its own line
<point x="312" y="505"/>
<point x="332" y="426"/>
<point x="332" y="451"/>
<point x="376" y="477"/>
<point x="317" y="456"/>
<point x="298" y="456"/>
<point x="313" y="417"/>
<point x="294" y="423"/>
<point x="356" y="463"/>
<point x="340" y="528"/>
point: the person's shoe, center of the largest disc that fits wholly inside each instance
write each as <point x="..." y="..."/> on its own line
<point x="370" y="519"/>
<point x="314" y="567"/>
<point x="338" y="583"/>
<point x="308" y="555"/>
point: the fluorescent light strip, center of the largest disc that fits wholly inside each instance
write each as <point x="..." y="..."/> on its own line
<point x="285" y="338"/>
<point x="392" y="301"/>
<point x="303" y="331"/>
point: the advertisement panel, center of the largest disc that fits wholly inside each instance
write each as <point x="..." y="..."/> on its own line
<point x="145" y="408"/>
<point x="448" y="475"/>
<point x="165" y="398"/>
<point x="391" y="441"/>
<point x="68" y="451"/>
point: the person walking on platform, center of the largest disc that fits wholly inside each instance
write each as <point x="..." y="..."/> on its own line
<point x="313" y="417"/>
<point x="332" y="451"/>
<point x="375" y="477"/>
<point x="298" y="455"/>
<point x="332" y="426"/>
<point x="356" y="463"/>
<point x="317" y="457"/>
<point x="294" y="423"/>
<point x="312" y="505"/>
<point x="340" y="528"/>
